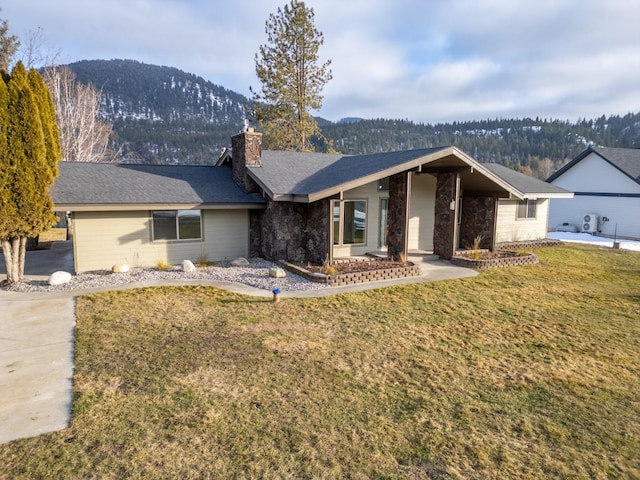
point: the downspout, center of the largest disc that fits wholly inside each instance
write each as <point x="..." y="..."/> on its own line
<point x="72" y="217"/>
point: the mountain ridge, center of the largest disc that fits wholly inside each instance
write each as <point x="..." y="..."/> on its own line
<point x="165" y="115"/>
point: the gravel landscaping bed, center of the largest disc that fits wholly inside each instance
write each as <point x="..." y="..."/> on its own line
<point x="255" y="275"/>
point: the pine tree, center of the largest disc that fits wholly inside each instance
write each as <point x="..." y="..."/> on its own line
<point x="291" y="78"/>
<point x="29" y="154"/>
<point x="9" y="45"/>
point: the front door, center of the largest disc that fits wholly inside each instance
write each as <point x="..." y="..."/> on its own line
<point x="422" y="212"/>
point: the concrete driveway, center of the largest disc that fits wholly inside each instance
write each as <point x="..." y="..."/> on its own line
<point x="36" y="364"/>
<point x="39" y="264"/>
<point x="36" y="350"/>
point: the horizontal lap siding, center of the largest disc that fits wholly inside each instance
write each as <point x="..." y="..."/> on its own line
<point x="226" y="234"/>
<point x="511" y="229"/>
<point x="422" y="212"/>
<point x="103" y="239"/>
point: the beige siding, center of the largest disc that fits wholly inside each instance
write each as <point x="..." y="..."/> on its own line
<point x="370" y="193"/>
<point x="103" y="239"/>
<point x="511" y="229"/>
<point x="226" y="234"/>
<point x="422" y="212"/>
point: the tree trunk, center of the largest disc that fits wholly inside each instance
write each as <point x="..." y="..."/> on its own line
<point x="14" y="251"/>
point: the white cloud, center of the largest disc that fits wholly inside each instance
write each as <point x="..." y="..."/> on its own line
<point x="424" y="60"/>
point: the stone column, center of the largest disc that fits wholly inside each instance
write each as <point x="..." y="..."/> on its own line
<point x="397" y="216"/>
<point x="444" y="233"/>
<point x="478" y="218"/>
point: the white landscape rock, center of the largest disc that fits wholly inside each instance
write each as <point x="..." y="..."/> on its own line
<point x="240" y="262"/>
<point x="59" y="278"/>
<point x="277" y="272"/>
<point x="188" y="266"/>
<point x="120" y="268"/>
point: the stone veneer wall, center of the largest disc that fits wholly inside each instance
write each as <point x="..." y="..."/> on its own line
<point x="294" y="232"/>
<point x="246" y="152"/>
<point x="443" y="232"/>
<point x="478" y="215"/>
<point x="396" y="216"/>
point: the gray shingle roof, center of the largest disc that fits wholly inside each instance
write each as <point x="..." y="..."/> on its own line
<point x="294" y="173"/>
<point x="120" y="184"/>
<point x="521" y="182"/>
<point x="626" y="160"/>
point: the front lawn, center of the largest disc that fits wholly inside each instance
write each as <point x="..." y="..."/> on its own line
<point x="525" y="372"/>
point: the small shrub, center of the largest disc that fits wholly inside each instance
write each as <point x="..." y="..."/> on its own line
<point x="203" y="262"/>
<point x="328" y="268"/>
<point x="475" y="248"/>
<point x="163" y="265"/>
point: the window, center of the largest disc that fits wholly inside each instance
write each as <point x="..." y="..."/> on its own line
<point x="383" y="184"/>
<point x="176" y="224"/>
<point x="527" y="208"/>
<point x="349" y="222"/>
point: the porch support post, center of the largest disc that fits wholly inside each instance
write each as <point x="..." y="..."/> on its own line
<point x="494" y="222"/>
<point x="445" y="234"/>
<point x="398" y="216"/>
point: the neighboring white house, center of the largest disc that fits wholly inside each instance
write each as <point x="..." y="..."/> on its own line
<point x="606" y="186"/>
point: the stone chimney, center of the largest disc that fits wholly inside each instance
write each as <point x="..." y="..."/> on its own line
<point x="246" y="150"/>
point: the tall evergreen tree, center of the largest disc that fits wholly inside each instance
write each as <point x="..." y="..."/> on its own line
<point x="292" y="80"/>
<point x="28" y="161"/>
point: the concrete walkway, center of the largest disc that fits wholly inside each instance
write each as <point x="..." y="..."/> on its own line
<point x="37" y="332"/>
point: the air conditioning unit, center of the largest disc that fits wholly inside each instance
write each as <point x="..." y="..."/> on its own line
<point x="590" y="223"/>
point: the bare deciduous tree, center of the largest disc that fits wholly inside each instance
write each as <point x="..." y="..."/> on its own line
<point x="84" y="136"/>
<point x="546" y="168"/>
<point x="34" y="51"/>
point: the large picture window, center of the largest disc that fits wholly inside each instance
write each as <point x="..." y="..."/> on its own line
<point x="527" y="208"/>
<point x="176" y="224"/>
<point x="350" y="222"/>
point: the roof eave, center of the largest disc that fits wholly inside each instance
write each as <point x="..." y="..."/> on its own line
<point x="387" y="172"/>
<point x="534" y="196"/>
<point x="122" y="207"/>
<point x="265" y="190"/>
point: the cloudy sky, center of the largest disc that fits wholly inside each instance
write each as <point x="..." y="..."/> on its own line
<point x="423" y="60"/>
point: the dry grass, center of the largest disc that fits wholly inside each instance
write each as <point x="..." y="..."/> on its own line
<point x="527" y="372"/>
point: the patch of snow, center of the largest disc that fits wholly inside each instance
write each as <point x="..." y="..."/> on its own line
<point x="594" y="240"/>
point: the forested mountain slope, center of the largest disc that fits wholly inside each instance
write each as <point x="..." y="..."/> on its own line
<point x="524" y="144"/>
<point x="164" y="115"/>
